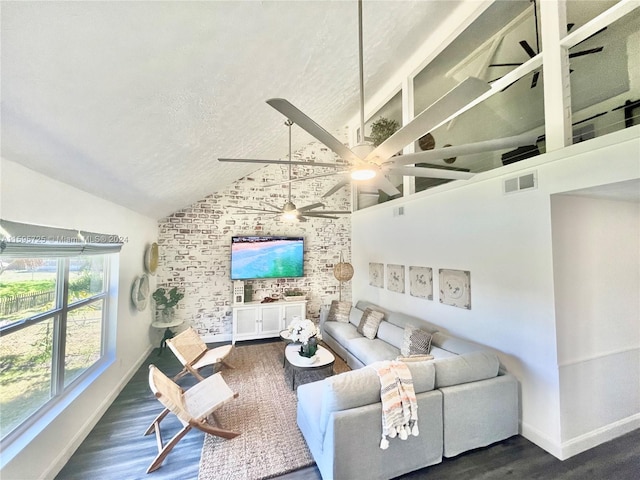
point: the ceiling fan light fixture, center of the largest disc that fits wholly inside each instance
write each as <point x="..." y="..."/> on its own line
<point x="290" y="216"/>
<point x="363" y="174"/>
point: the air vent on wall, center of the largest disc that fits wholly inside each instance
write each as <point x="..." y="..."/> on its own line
<point x="518" y="184"/>
<point x="398" y="211"/>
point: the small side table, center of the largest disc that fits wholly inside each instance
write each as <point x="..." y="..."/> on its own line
<point x="168" y="333"/>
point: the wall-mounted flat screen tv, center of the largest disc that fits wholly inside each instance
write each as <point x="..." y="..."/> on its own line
<point x="266" y="257"/>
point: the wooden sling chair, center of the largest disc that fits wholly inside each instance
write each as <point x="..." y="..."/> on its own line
<point x="193" y="408"/>
<point x="194" y="354"/>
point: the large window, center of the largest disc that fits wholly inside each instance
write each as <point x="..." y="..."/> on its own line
<point x="53" y="319"/>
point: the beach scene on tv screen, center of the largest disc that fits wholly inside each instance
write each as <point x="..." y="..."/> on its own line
<point x="254" y="257"/>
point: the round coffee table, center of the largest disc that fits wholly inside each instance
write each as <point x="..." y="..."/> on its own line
<point x="323" y="363"/>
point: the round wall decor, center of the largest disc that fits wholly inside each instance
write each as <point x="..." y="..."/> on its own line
<point x="140" y="292"/>
<point x="151" y="258"/>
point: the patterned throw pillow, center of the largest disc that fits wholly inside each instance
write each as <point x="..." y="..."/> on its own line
<point x="416" y="341"/>
<point x="370" y="322"/>
<point x="339" y="311"/>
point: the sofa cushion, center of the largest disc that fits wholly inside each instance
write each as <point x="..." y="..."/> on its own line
<point x="402" y="320"/>
<point x="362" y="387"/>
<point x="455" y="345"/>
<point x="370" y="322"/>
<point x="415" y="341"/>
<point x="342" y="332"/>
<point x="369" y="351"/>
<point x="355" y="315"/>
<point x="339" y="311"/>
<point x="437" y="352"/>
<point x="414" y="358"/>
<point x="466" y="368"/>
<point x="364" y="304"/>
<point x="391" y="334"/>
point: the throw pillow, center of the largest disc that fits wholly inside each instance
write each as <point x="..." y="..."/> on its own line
<point x="339" y="311"/>
<point x="370" y="322"/>
<point x="416" y="341"/>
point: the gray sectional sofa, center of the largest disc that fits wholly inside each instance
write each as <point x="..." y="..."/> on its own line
<point x="465" y="401"/>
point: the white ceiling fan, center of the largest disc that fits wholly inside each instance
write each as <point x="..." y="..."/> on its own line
<point x="289" y="212"/>
<point x="371" y="164"/>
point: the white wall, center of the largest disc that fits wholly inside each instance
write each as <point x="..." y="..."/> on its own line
<point x="505" y="242"/>
<point x="27" y="196"/>
<point x="596" y="245"/>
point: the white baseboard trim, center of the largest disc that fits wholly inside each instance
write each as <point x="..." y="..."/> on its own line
<point x="583" y="442"/>
<point x="599" y="436"/>
<point x="218" y="337"/>
<point x="543" y="441"/>
<point x="76" y="441"/>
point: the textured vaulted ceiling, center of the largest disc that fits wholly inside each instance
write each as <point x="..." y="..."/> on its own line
<point x="135" y="101"/>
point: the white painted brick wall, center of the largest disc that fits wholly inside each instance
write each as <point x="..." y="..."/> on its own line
<point x="195" y="243"/>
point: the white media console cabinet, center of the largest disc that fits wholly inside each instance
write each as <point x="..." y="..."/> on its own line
<point x="265" y="320"/>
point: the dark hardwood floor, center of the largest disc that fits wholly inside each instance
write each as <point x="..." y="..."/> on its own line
<point x="116" y="448"/>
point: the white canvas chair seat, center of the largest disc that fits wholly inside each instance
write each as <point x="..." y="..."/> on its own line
<point x="194" y="408"/>
<point x="194" y="354"/>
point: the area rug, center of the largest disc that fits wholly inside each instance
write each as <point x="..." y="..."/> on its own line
<point x="270" y="443"/>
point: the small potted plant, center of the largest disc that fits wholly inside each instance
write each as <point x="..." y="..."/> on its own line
<point x="293" y="295"/>
<point x="166" y="301"/>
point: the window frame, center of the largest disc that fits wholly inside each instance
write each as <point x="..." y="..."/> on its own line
<point x="59" y="393"/>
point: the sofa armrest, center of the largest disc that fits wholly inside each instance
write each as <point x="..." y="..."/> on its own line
<point x="479" y="413"/>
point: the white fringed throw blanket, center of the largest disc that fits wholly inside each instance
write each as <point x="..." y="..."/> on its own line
<point x="399" y="404"/>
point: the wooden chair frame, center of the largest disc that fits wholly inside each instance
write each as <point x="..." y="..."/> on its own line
<point x="194" y="408"/>
<point x="194" y="354"/>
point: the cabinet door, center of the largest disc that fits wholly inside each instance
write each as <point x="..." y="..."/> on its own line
<point x="296" y="310"/>
<point x="246" y="321"/>
<point x="271" y="320"/>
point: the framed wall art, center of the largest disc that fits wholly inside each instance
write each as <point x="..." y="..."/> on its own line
<point x="395" y="278"/>
<point x="421" y="282"/>
<point x="376" y="275"/>
<point x="455" y="288"/>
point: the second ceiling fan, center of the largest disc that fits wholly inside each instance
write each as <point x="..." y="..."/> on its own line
<point x="371" y="164"/>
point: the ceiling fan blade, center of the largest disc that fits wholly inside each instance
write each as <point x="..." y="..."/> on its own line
<point x="505" y="64"/>
<point x="272" y="206"/>
<point x="591" y="36"/>
<point x="310" y="207"/>
<point x="278" y="162"/>
<point x="458" y="97"/>
<point x="329" y="212"/>
<point x="534" y="80"/>
<point x="527" y="48"/>
<point x="586" y="52"/>
<point x="256" y="209"/>
<point x="303" y="121"/>
<point x="381" y="183"/>
<point x="468" y="149"/>
<point x="320" y="216"/>
<point x="337" y="187"/>
<point x="424" y="172"/>
<point x="300" y="179"/>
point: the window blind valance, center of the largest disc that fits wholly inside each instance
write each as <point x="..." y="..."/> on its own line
<point x="25" y="240"/>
